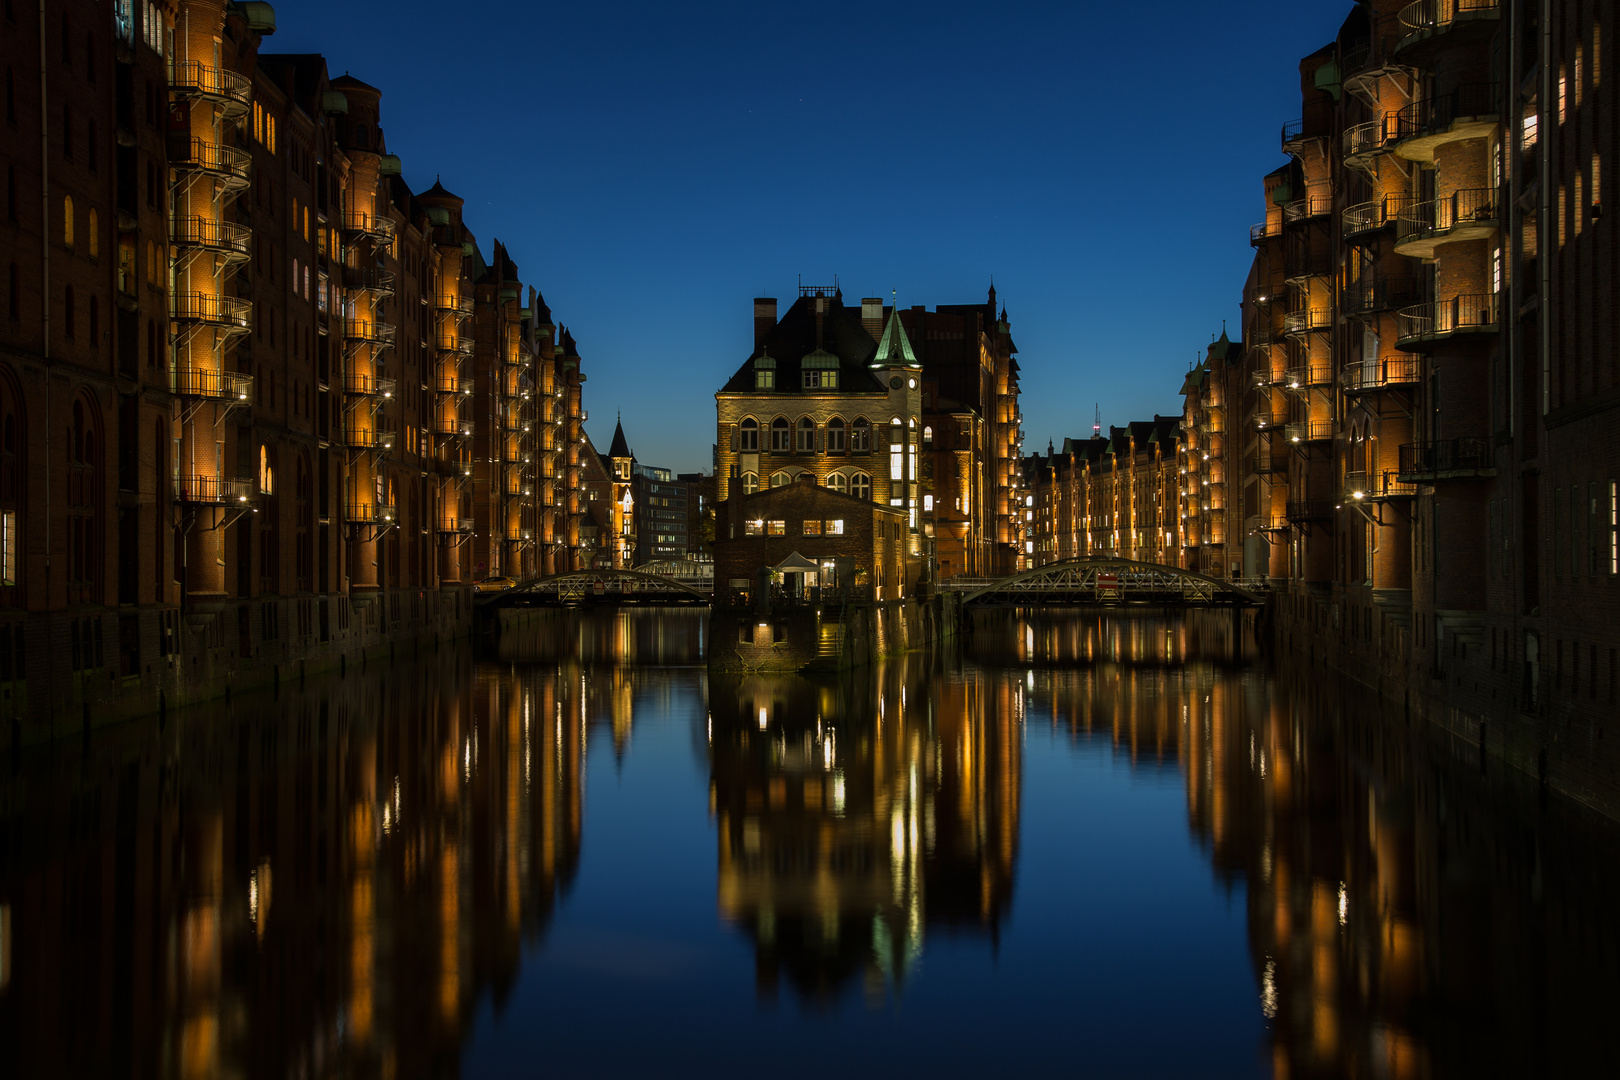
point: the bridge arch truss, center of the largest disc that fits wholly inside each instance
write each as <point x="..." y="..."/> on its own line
<point x="1111" y="582"/>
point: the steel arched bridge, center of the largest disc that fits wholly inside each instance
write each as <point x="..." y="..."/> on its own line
<point x="1109" y="582"/>
<point x="601" y="586"/>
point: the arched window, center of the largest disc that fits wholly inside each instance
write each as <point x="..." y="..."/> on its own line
<point x="928" y="436"/>
<point x="861" y="486"/>
<point x="780" y="435"/>
<point x="11" y="474"/>
<point x="838" y="482"/>
<point x="835" y="435"/>
<point x="267" y="475"/>
<point x="750" y="483"/>
<point x="780" y="479"/>
<point x="67" y="220"/>
<point x="807" y="435"/>
<point x="92" y="223"/>
<point x="860" y="436"/>
<point x="897" y="432"/>
<point x="748" y="435"/>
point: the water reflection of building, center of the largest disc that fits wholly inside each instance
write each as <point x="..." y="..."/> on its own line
<point x="852" y="815"/>
<point x="1410" y="914"/>
<point x="327" y="883"/>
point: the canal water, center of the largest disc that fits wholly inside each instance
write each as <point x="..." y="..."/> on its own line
<point x="1101" y="846"/>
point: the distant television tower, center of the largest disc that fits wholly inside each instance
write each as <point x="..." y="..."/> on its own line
<point x="1096" y="424"/>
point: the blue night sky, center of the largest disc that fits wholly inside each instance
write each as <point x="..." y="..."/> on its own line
<point x="654" y="167"/>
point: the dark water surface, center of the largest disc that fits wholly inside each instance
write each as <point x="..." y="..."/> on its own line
<point x="1084" y="845"/>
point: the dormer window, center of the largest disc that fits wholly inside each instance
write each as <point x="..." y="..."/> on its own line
<point x="764" y="379"/>
<point x="821" y="380"/>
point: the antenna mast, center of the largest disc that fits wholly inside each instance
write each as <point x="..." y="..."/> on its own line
<point x="1096" y="424"/>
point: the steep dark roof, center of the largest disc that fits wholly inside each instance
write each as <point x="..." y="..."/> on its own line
<point x="347" y="81"/>
<point x="438" y="191"/>
<point x="794" y="337"/>
<point x="620" y="447"/>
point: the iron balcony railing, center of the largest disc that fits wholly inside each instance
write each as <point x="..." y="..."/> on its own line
<point x="1373" y="215"/>
<point x="1301" y="322"/>
<point x="373" y="331"/>
<point x="1462" y="208"/>
<point x="512" y="454"/>
<point x="1433" y="115"/>
<point x="1268" y="463"/>
<point x="231" y="91"/>
<point x="453" y="384"/>
<point x="1375" y="293"/>
<point x="1311" y="509"/>
<point x="1264" y="377"/>
<point x="1380" y="374"/>
<point x="226" y="163"/>
<point x="1267" y="421"/>
<point x="231" y="313"/>
<point x="1373" y="137"/>
<point x="1309" y="431"/>
<point x="225" y="237"/>
<point x="1308" y="261"/>
<point x="460" y="345"/>
<point x="1262" y="232"/>
<point x="1433" y="460"/>
<point x="213" y="490"/>
<point x="458" y="305"/>
<point x="369" y="279"/>
<point x="456" y="525"/>
<point x="1430" y="16"/>
<point x="368" y="385"/>
<point x="379" y="227"/>
<point x="369" y="513"/>
<point x="218" y="385"/>
<point x="374" y="437"/>
<point x="1420" y="322"/>
<point x="451" y="426"/>
<point x="1312" y="206"/>
<point x="1312" y="375"/>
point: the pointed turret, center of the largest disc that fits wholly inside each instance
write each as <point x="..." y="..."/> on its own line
<point x="620" y="446"/>
<point x="894" y="348"/>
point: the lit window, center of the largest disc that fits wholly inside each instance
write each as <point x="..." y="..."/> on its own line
<point x="838" y="482"/>
<point x="835" y="527"/>
<point x="861" y="486"/>
<point x="67" y="220"/>
<point x="780" y="479"/>
<point x="812" y="528"/>
<point x="753" y="528"/>
<point x="764" y="379"/>
<point x="750" y="483"/>
<point x="776" y="528"/>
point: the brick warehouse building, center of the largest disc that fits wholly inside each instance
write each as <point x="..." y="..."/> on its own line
<point x="1416" y="439"/>
<point x="827" y="388"/>
<point x="279" y="402"/>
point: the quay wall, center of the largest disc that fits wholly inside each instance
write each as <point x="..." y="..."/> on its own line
<point x="63" y="673"/>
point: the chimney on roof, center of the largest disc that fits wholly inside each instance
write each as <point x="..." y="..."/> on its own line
<point x="872" y="316"/>
<point x="764" y="318"/>
<point x="821" y="315"/>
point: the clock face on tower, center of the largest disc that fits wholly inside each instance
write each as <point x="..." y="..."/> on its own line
<point x="894" y="383"/>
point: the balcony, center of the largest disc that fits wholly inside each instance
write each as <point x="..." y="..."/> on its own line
<point x="1376" y="487"/>
<point x="229" y="92"/>
<point x="1422" y="324"/>
<point x="454" y="305"/>
<point x="367" y="385"/>
<point x="453" y="384"/>
<point x="1262" y="232"/>
<point x="1310" y="510"/>
<point x="1363" y="142"/>
<point x="454" y="347"/>
<point x="1297" y="133"/>
<point x="1388" y="374"/>
<point x="369" y="513"/>
<point x="226" y="164"/>
<point x="1267" y="463"/>
<point x="233" y="241"/>
<point x="372" y="437"/>
<point x="379" y="228"/>
<point x="1376" y="293"/>
<point x="1431" y="25"/>
<point x="368" y="279"/>
<point x="451" y="526"/>
<point x="1307" y="262"/>
<point x="1374" y="215"/>
<point x="213" y="490"/>
<point x="1309" y="320"/>
<point x="231" y="314"/>
<point x="1466" y="214"/>
<point x="513" y="422"/>
<point x="1303" y="378"/>
<point x="215" y="385"/>
<point x="1309" y="431"/>
<point x="1446" y="459"/>
<point x="512" y="454"/>
<point x="1312" y="206"/>
<point x="1468" y="112"/>
<point x="451" y="427"/>
<point x="368" y="331"/>
<point x="1265" y="377"/>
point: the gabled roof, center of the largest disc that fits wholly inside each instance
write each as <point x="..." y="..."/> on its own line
<point x="894" y="348"/>
<point x="794" y="337"/>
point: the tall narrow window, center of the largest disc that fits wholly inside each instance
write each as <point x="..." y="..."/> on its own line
<point x="93" y="227"/>
<point x="807" y="435"/>
<point x="835" y="435"/>
<point x="67" y="220"/>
